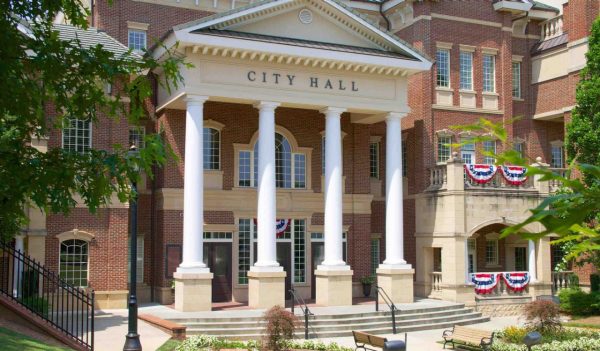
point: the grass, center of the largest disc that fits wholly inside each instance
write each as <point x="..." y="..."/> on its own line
<point x="13" y="341"/>
<point x="592" y="322"/>
<point x="170" y="345"/>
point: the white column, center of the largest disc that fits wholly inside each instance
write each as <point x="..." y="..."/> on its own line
<point x="333" y="191"/>
<point x="193" y="188"/>
<point x="267" y="206"/>
<point x="18" y="267"/>
<point x="531" y="261"/>
<point x="394" y="209"/>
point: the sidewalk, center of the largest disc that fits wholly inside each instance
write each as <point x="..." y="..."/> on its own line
<point x="111" y="328"/>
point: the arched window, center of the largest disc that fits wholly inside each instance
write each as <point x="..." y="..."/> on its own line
<point x="73" y="262"/>
<point x="290" y="167"/>
<point x="212" y="149"/>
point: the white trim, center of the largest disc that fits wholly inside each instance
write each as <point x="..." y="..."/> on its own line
<point x="466" y="109"/>
<point x="466" y="20"/>
<point x="552" y="114"/>
<point x="489" y="51"/>
<point x="138" y="25"/>
<point x="517" y="58"/>
<point x="467" y="48"/>
<point x="443" y="45"/>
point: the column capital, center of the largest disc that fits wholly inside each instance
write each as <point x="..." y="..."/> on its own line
<point x="266" y="105"/>
<point x="332" y="110"/>
<point x="192" y="100"/>
<point x="395" y="115"/>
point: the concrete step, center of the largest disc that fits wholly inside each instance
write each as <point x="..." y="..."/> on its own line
<point x="378" y="330"/>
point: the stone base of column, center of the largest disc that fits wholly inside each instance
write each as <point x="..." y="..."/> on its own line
<point x="539" y="288"/>
<point x="334" y="287"/>
<point x="397" y="284"/>
<point x="266" y="289"/>
<point x="193" y="291"/>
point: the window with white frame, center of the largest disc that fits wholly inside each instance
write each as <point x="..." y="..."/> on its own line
<point x="489" y="146"/>
<point x="444" y="148"/>
<point x="489" y="73"/>
<point x="491" y="252"/>
<point x="294" y="233"/>
<point x="137" y="39"/>
<point x="212" y="148"/>
<point x="375" y="255"/>
<point x="74" y="262"/>
<point x="290" y="167"/>
<point x="136" y="136"/>
<point x="443" y="68"/>
<point x="77" y="135"/>
<point x="466" y="70"/>
<point x="557" y="160"/>
<point x="519" y="147"/>
<point x="139" y="259"/>
<point x="374" y="159"/>
<point x="516" y="80"/>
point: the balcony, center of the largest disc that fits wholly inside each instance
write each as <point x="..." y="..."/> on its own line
<point x="552" y="28"/>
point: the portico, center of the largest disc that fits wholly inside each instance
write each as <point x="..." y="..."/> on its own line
<point x="243" y="57"/>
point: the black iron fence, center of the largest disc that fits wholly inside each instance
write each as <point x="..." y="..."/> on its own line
<point x="68" y="308"/>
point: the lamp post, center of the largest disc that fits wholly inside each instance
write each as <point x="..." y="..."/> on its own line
<point x="132" y="339"/>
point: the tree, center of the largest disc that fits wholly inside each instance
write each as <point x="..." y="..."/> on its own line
<point x="583" y="138"/>
<point x="46" y="82"/>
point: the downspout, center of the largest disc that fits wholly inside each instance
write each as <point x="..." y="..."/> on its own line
<point x="387" y="21"/>
<point x="92" y="13"/>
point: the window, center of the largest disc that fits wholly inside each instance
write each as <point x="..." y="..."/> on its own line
<point x="444" y="149"/>
<point x="489" y="146"/>
<point x="290" y="168"/>
<point x="491" y="252"/>
<point x="374" y="159"/>
<point x="489" y="73"/>
<point x="467" y="151"/>
<point x="466" y="70"/>
<point x="212" y="150"/>
<point x="137" y="39"/>
<point x="217" y="236"/>
<point x="295" y="233"/>
<point x="136" y="136"/>
<point x="437" y="259"/>
<point x="77" y="135"/>
<point x="140" y="259"/>
<point x="73" y="263"/>
<point x="516" y="80"/>
<point x="375" y="255"/>
<point x="519" y="147"/>
<point x="520" y="259"/>
<point x="557" y="160"/>
<point x="443" y="68"/>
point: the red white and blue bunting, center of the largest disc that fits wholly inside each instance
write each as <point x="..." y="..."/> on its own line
<point x="281" y="225"/>
<point x="514" y="175"/>
<point x="485" y="282"/>
<point x="481" y="173"/>
<point x="516" y="281"/>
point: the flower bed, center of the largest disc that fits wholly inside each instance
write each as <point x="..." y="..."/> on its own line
<point x="565" y="339"/>
<point x="203" y="342"/>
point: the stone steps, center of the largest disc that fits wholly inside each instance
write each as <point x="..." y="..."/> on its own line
<point x="336" y="325"/>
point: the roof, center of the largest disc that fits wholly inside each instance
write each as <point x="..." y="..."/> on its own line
<point x="259" y="3"/>
<point x="550" y="43"/>
<point x="544" y="7"/>
<point x="91" y="37"/>
<point x="302" y="42"/>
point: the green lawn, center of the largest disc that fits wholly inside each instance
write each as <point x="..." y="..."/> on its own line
<point x="12" y="341"/>
<point x="170" y="345"/>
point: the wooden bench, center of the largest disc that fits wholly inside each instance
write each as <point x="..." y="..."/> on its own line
<point x="363" y="339"/>
<point x="468" y="336"/>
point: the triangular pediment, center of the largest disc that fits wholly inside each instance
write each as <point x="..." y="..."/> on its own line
<point x="312" y="21"/>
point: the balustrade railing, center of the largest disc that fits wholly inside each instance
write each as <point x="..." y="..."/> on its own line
<point x="561" y="280"/>
<point x="436" y="281"/>
<point x="552" y="28"/>
<point x="438" y="177"/>
<point x="555" y="184"/>
<point x="500" y="289"/>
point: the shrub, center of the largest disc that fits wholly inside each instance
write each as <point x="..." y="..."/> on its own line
<point x="542" y="315"/>
<point x="574" y="281"/>
<point x="281" y="325"/>
<point x="513" y="334"/>
<point x="595" y="283"/>
<point x="578" y="302"/>
<point x="201" y="342"/>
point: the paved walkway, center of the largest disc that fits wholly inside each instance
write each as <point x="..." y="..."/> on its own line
<point x="111" y="328"/>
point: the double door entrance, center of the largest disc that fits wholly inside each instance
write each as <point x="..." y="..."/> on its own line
<point x="217" y="256"/>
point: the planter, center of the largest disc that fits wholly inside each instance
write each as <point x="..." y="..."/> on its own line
<point x="366" y="289"/>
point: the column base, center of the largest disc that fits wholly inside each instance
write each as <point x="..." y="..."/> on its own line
<point x="193" y="291"/>
<point x="334" y="287"/>
<point x="266" y="289"/>
<point x="397" y="283"/>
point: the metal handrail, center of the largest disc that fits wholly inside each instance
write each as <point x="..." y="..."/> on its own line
<point x="305" y="311"/>
<point x="28" y="283"/>
<point x="388" y="301"/>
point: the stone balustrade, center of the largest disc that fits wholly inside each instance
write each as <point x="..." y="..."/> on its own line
<point x="552" y="28"/>
<point x="561" y="280"/>
<point x="436" y="281"/>
<point x="438" y="177"/>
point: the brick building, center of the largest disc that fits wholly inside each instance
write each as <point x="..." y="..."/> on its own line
<point x="341" y="76"/>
